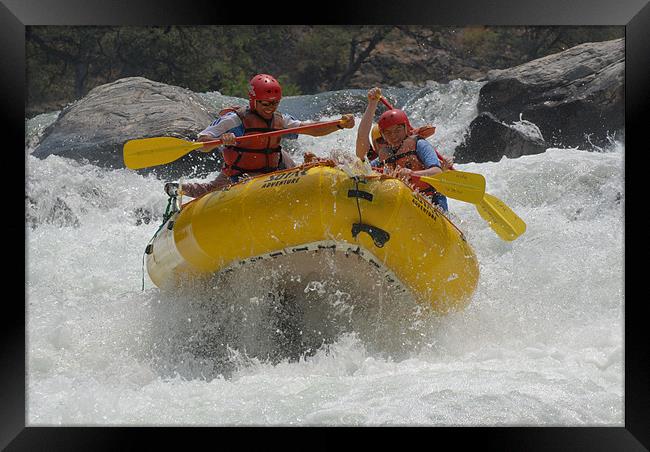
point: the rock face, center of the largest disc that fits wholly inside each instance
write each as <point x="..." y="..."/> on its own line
<point x="575" y="97"/>
<point x="96" y="127"/>
<point x="496" y="139"/>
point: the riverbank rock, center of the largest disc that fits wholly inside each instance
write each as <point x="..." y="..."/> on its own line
<point x="95" y="128"/>
<point x="490" y="140"/>
<point x="575" y="97"/>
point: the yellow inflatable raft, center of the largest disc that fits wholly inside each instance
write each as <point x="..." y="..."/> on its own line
<point x="378" y="222"/>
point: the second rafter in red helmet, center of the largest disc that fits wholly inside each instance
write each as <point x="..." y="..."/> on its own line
<point x="391" y="117"/>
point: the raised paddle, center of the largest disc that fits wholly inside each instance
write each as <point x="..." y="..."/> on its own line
<point x="147" y="152"/>
<point x="385" y="102"/>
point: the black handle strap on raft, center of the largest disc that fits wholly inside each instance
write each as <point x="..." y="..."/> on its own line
<point x="360" y="194"/>
<point x="379" y="236"/>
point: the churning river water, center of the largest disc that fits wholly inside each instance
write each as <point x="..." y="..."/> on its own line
<point x="541" y="342"/>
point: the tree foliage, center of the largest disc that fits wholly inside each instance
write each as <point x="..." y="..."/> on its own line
<point x="65" y="62"/>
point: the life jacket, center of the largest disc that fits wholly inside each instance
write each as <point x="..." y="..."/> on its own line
<point x="406" y="157"/>
<point x="261" y="156"/>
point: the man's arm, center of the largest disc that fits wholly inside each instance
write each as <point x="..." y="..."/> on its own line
<point x="225" y="127"/>
<point x="429" y="159"/>
<point x="346" y="122"/>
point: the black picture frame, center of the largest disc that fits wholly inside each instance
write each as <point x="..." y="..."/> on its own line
<point x="16" y="14"/>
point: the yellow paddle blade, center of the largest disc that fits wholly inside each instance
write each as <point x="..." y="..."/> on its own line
<point x="501" y="218"/>
<point x="147" y="152"/>
<point x="468" y="187"/>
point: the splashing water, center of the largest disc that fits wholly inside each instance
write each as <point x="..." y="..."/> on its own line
<point x="541" y="343"/>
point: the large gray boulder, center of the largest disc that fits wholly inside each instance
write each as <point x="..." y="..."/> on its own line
<point x="575" y="97"/>
<point x="496" y="140"/>
<point x="96" y="127"/>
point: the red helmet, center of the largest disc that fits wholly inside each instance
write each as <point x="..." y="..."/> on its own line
<point x="263" y="87"/>
<point x="391" y="117"/>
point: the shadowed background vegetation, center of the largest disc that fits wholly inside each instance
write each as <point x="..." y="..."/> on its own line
<point x="64" y="62"/>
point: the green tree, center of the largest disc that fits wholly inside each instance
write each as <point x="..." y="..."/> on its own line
<point x="64" y="63"/>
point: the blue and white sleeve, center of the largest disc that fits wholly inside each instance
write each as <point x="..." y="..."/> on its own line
<point x="427" y="154"/>
<point x="230" y="122"/>
<point x="290" y="122"/>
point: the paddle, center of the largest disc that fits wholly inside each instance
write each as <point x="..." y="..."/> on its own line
<point x="507" y="225"/>
<point x="501" y="218"/>
<point x="468" y="187"/>
<point x="385" y="102"/>
<point x="147" y="152"/>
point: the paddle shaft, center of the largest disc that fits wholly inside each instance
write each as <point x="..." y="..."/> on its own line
<point x="147" y="152"/>
<point x="253" y="136"/>
<point x="385" y="102"/>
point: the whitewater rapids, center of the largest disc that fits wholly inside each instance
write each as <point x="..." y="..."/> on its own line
<point x="540" y="344"/>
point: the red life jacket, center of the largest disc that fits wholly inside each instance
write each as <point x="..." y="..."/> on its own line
<point x="261" y="156"/>
<point x="406" y="157"/>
